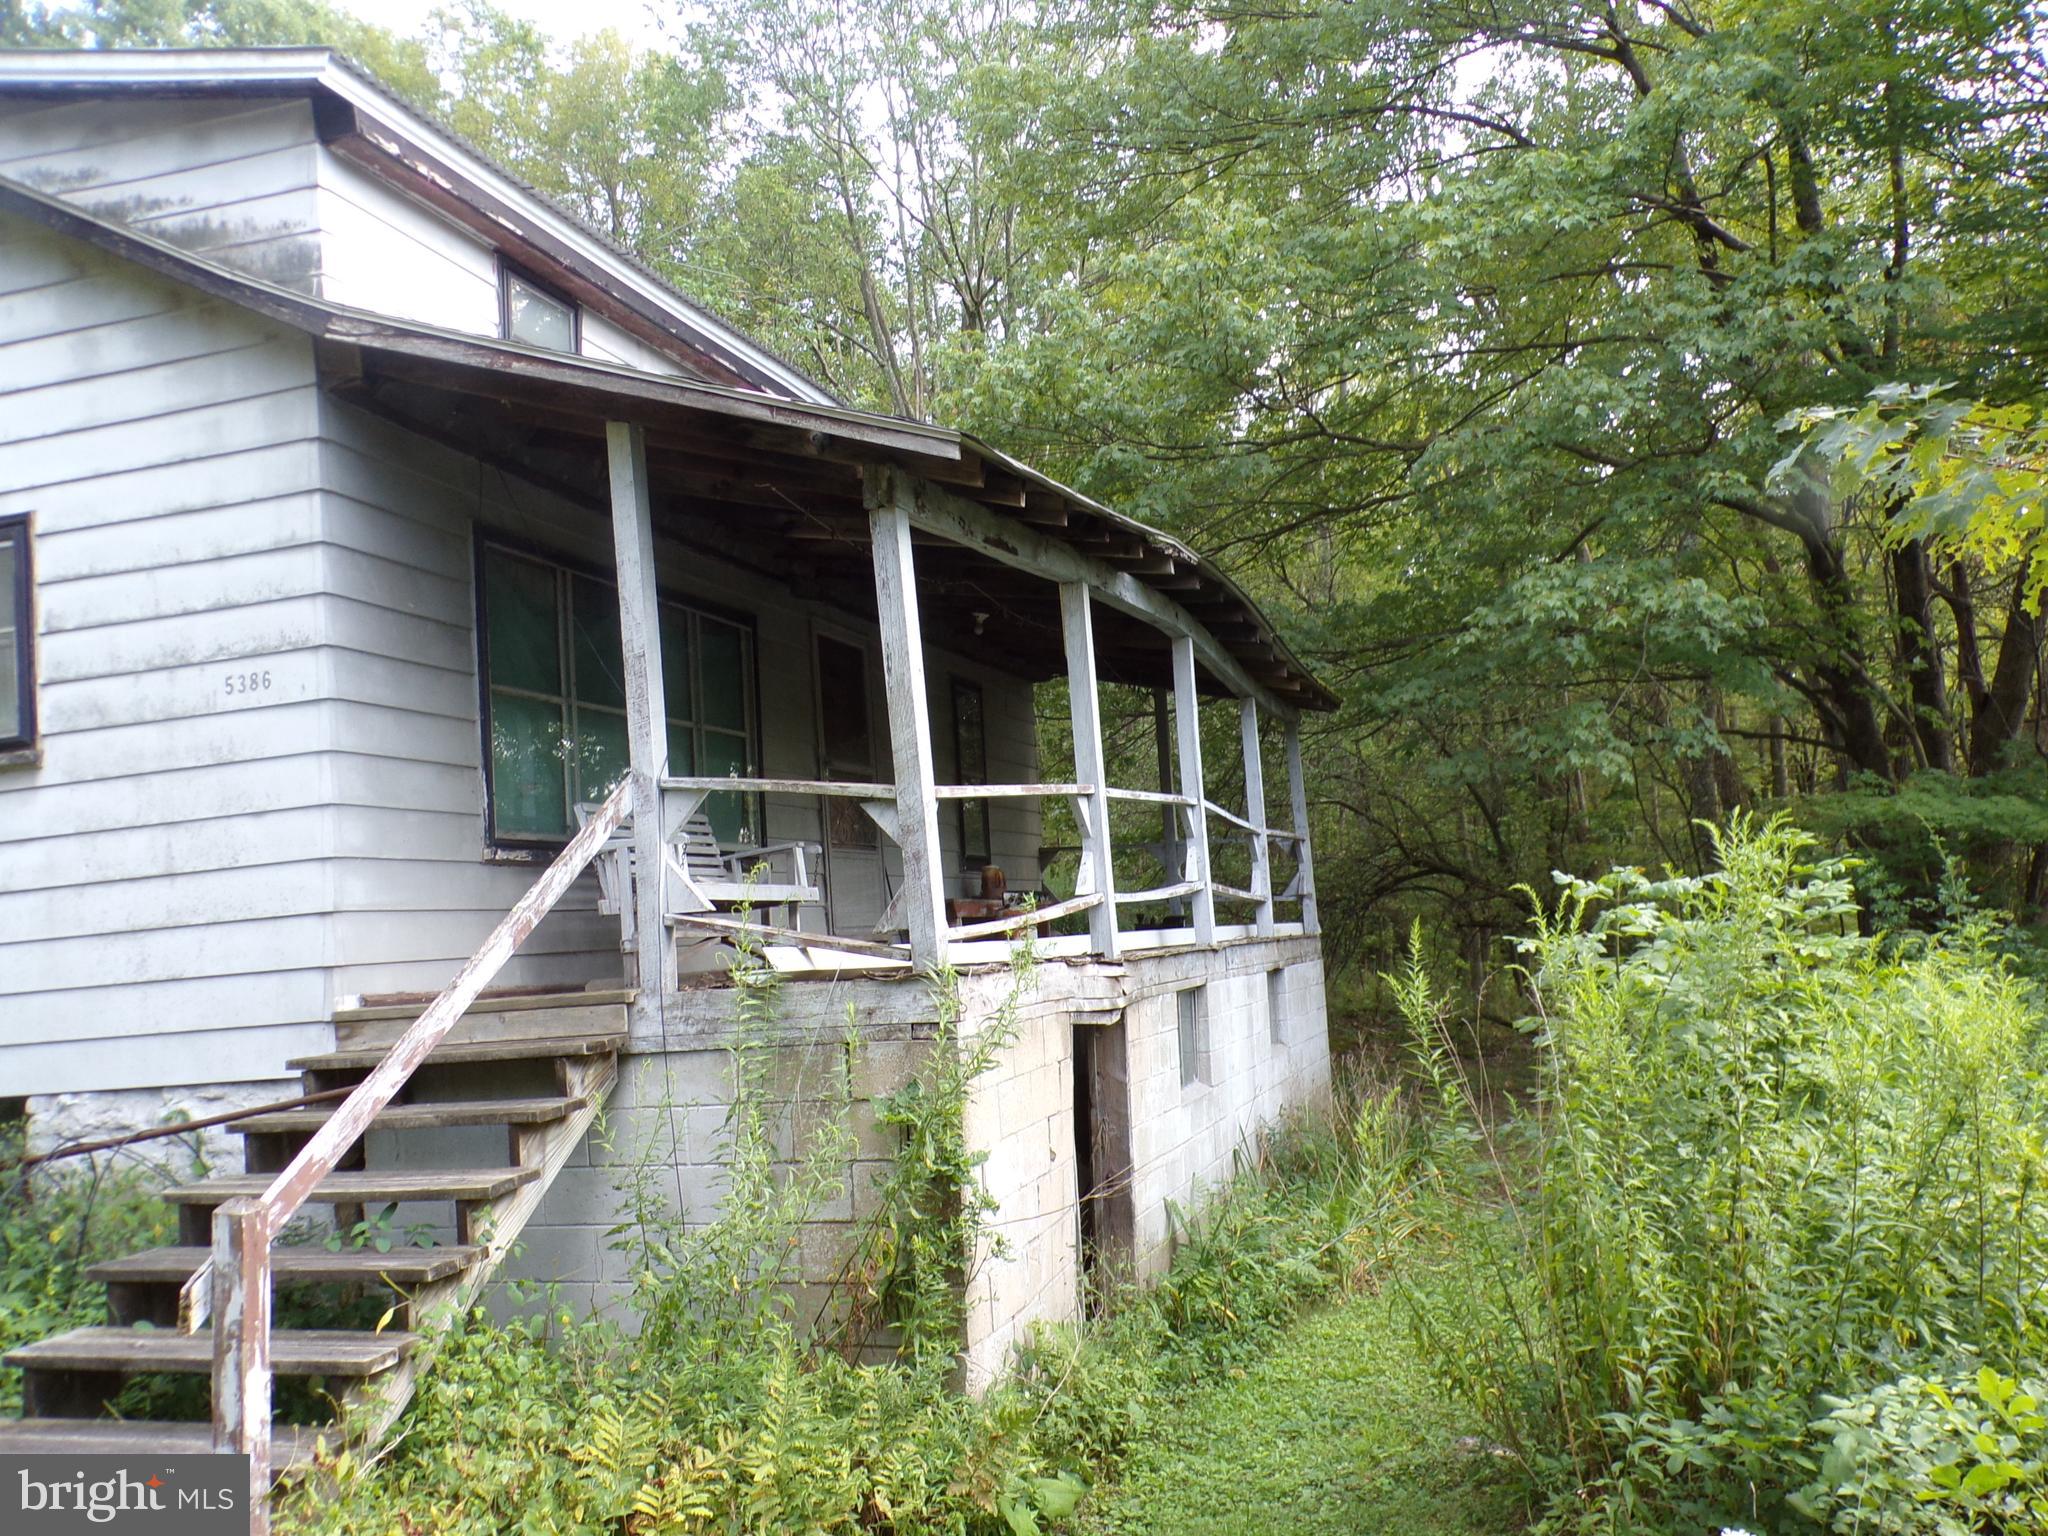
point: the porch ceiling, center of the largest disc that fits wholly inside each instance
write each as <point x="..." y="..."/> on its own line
<point x="769" y="483"/>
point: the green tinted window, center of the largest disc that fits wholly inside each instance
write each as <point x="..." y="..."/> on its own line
<point x="722" y="671"/>
<point x="600" y="667"/>
<point x="528" y="791"/>
<point x="523" y="630"/>
<point x="558" y="735"/>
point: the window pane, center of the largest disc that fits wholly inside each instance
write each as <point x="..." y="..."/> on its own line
<point x="519" y="602"/>
<point x="725" y="754"/>
<point x="602" y="754"/>
<point x="675" y="666"/>
<point x="843" y="707"/>
<point x="722" y="661"/>
<point x="10" y="626"/>
<point x="682" y="749"/>
<point x="527" y="798"/>
<point x="600" y="676"/>
<point x="536" y="318"/>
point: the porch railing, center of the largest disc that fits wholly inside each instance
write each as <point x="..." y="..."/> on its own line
<point x="1184" y="857"/>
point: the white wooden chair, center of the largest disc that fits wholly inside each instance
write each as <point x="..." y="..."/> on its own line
<point x="704" y="877"/>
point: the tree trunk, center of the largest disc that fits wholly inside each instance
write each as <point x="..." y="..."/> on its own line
<point x="1919" y="657"/>
<point x="1843" y="675"/>
<point x="2003" y="712"/>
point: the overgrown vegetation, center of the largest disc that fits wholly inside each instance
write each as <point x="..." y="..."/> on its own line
<point x="1771" y="1251"/>
<point x="57" y="1220"/>
<point x="721" y="1408"/>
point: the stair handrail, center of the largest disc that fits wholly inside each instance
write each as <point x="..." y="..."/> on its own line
<point x="243" y="1229"/>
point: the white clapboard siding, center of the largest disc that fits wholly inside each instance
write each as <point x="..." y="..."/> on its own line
<point x="384" y="252"/>
<point x="122" y="854"/>
<point x="230" y="180"/>
<point x="162" y="870"/>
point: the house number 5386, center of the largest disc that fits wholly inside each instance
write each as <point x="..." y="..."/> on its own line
<point x="248" y="682"/>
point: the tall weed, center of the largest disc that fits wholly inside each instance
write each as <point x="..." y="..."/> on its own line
<point x="1775" y="1165"/>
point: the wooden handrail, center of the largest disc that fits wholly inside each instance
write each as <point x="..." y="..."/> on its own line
<point x="1007" y="791"/>
<point x="243" y="1230"/>
<point x="1150" y="796"/>
<point x="846" y="789"/>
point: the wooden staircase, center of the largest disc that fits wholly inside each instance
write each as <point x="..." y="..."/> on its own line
<point x="538" y="1067"/>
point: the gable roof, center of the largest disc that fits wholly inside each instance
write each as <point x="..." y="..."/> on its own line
<point x="819" y="448"/>
<point x="363" y="121"/>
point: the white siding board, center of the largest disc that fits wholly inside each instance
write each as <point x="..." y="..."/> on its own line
<point x="203" y="431"/>
<point x="32" y="131"/>
<point x="183" y="900"/>
<point x="133" y="1014"/>
<point x="86" y="402"/>
<point x="112" y="348"/>
<point x="176" y="693"/>
<point x="150" y="852"/>
<point x="199" y="951"/>
<point x="161" y="799"/>
<point x="382" y="251"/>
<point x="150" y="645"/>
<point x="181" y="589"/>
<point x="162" y="1059"/>
<point x="170" y="538"/>
<point x="110" y="501"/>
<point x="32" y="305"/>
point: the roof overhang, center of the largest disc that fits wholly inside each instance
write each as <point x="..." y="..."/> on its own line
<point x="790" y="469"/>
<point x="364" y="123"/>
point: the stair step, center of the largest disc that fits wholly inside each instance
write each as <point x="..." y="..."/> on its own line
<point x="290" y="1444"/>
<point x="428" y="1116"/>
<point x="401" y="1266"/>
<point x="293" y="1351"/>
<point x="446" y="1055"/>
<point x="366" y="1188"/>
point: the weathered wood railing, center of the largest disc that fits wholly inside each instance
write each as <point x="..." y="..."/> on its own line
<point x="1186" y="859"/>
<point x="244" y="1229"/>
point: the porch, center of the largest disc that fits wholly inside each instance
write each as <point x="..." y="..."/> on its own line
<point x="930" y="548"/>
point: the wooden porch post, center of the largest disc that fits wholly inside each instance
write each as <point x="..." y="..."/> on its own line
<point x="910" y="728"/>
<point x="1304" y="870"/>
<point x="1085" y="709"/>
<point x="646" y="712"/>
<point x="1188" y="727"/>
<point x="241" y="1347"/>
<point x="1255" y="813"/>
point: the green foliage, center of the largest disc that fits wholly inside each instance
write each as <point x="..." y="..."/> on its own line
<point x="723" y="1412"/>
<point x="1777" y="1161"/>
<point x="59" y="1219"/>
<point x="1961" y="1457"/>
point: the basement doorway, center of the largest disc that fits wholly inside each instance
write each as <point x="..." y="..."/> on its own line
<point x="1102" y="1159"/>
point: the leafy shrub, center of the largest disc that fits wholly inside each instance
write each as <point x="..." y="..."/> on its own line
<point x="1958" y="1458"/>
<point x="57" y="1220"/>
<point x="1775" y="1162"/>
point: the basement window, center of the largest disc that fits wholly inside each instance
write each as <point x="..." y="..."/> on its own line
<point x="17" y="637"/>
<point x="555" y="697"/>
<point x="1195" y="1064"/>
<point x="535" y="315"/>
<point x="1276" y="1006"/>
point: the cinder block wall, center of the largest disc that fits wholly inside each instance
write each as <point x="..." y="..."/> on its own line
<point x="666" y="1126"/>
<point x="1022" y="1114"/>
<point x="1184" y="1135"/>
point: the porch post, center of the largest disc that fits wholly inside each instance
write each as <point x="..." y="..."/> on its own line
<point x="1085" y="709"/>
<point x="1304" y="869"/>
<point x="1255" y="813"/>
<point x="646" y="712"/>
<point x="910" y="727"/>
<point x="1188" y="726"/>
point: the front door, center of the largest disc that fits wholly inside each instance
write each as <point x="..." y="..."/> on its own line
<point x="854" y="894"/>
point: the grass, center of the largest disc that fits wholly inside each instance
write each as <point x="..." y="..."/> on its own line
<point x="1338" y="1427"/>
